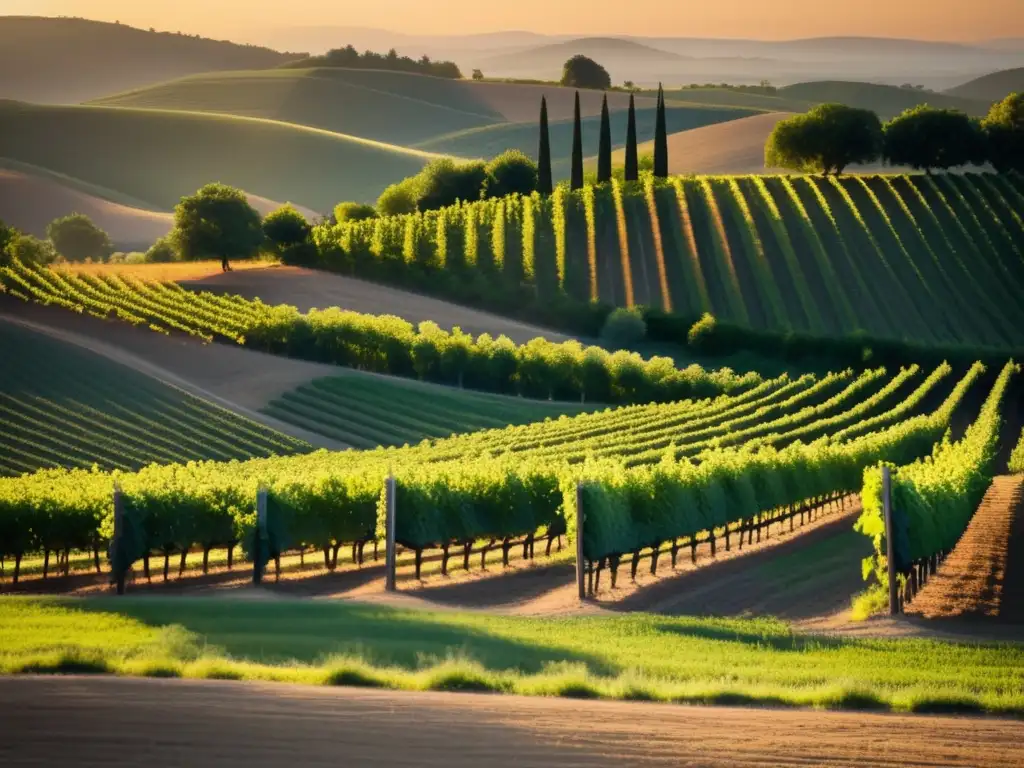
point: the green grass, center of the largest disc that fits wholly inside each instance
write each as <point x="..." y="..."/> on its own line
<point x="636" y="656"/>
<point x="365" y="411"/>
<point x="65" y="406"/>
<point x="157" y="156"/>
<point x="392" y="107"/>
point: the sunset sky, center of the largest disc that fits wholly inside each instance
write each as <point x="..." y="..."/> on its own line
<point x="775" y="19"/>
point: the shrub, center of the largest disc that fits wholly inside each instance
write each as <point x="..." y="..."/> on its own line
<point x="925" y="138"/>
<point x="511" y="172"/>
<point x="30" y="250"/>
<point x="217" y="222"/>
<point x="76" y="238"/>
<point x="353" y="212"/>
<point x="624" y="328"/>
<point x="583" y="72"/>
<point x="400" y="198"/>
<point x="1004" y="134"/>
<point x="827" y="139"/>
<point x="285" y="228"/>
<point x="444" y="182"/>
<point x="162" y="251"/>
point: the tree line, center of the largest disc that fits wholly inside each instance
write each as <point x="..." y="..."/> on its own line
<point x="832" y="137"/>
<point x="349" y="58"/>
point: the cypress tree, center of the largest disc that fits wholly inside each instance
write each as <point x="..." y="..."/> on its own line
<point x="576" y="178"/>
<point x="632" y="165"/>
<point x="544" y="183"/>
<point x="604" y="154"/>
<point x="661" y="139"/>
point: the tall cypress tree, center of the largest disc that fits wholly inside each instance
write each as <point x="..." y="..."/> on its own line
<point x="661" y="138"/>
<point x="544" y="183"/>
<point x="632" y="166"/>
<point x="604" y="153"/>
<point x="576" y="177"/>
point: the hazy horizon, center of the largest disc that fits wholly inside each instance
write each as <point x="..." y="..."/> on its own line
<point x="947" y="20"/>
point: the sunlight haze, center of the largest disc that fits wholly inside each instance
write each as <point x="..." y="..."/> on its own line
<point x="782" y="19"/>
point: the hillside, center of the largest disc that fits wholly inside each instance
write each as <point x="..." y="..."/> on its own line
<point x="735" y="146"/>
<point x="158" y="156"/>
<point x="62" y="406"/>
<point x="991" y="88"/>
<point x="934" y="260"/>
<point x="613" y="53"/>
<point x="65" y="61"/>
<point x="887" y="100"/>
<point x="492" y="140"/>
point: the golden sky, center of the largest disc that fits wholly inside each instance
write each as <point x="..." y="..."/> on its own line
<point x="761" y="19"/>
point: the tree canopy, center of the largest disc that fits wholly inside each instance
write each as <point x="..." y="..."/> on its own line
<point x="825" y="140"/>
<point x="349" y="58"/>
<point x="1004" y="134"/>
<point x="216" y="222"/>
<point x="926" y="138"/>
<point x="76" y="238"/>
<point x="511" y="172"/>
<point x="583" y="72"/>
<point x="286" y="227"/>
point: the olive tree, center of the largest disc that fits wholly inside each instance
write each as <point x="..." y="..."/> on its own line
<point x="76" y="238"/>
<point x="926" y="138"/>
<point x="583" y="72"/>
<point x="825" y="140"/>
<point x="217" y="222"/>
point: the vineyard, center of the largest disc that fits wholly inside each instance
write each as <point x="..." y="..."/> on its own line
<point x="64" y="407"/>
<point x="935" y="260"/>
<point x="675" y="473"/>
<point x="378" y="344"/>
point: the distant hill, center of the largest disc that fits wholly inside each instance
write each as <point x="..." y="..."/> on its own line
<point x="887" y="100"/>
<point x="991" y="88"/>
<point x="66" y="61"/>
<point x="158" y="156"/>
<point x="620" y="57"/>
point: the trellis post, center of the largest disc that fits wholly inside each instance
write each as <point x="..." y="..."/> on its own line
<point x="890" y="544"/>
<point x="389" y="534"/>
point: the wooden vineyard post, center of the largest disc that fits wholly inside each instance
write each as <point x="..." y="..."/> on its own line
<point x="581" y="569"/>
<point x="389" y="532"/>
<point x="115" y="545"/>
<point x="262" y="537"/>
<point x="890" y="546"/>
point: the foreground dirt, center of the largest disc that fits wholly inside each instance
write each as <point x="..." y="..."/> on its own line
<point x="305" y="289"/>
<point x="983" y="577"/>
<point x="113" y="722"/>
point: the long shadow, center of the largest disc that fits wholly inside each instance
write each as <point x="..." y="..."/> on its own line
<point x="277" y="631"/>
<point x="500" y="587"/>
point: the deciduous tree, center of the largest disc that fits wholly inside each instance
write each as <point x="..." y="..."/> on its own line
<point x="925" y="138"/>
<point x="826" y="140"/>
<point x="583" y="72"/>
<point x="1004" y="134"/>
<point x="217" y="222"/>
<point x="76" y="238"/>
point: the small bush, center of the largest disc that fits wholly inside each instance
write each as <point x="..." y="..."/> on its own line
<point x="353" y="212"/>
<point x="285" y="228"/>
<point x="161" y="252"/>
<point x="511" y="172"/>
<point x="624" y="328"/>
<point x="400" y="198"/>
<point x="30" y="250"/>
<point x="444" y="182"/>
<point x="76" y="238"/>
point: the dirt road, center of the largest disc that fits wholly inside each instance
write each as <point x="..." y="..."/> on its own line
<point x="112" y="722"/>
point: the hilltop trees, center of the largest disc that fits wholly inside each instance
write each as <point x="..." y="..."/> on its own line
<point x="576" y="174"/>
<point x="604" y="153"/>
<point x="1004" y="134"/>
<point x="349" y="58"/>
<point x="544" y="182"/>
<point x="925" y="139"/>
<point x="583" y="72"/>
<point x="632" y="167"/>
<point x="825" y="140"/>
<point x="217" y="222"/>
<point x="76" y="238"/>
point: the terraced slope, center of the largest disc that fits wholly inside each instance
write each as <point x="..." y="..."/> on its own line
<point x="158" y="156"/>
<point x="930" y="259"/>
<point x="61" y="406"/>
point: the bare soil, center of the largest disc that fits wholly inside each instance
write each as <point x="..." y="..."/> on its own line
<point x="306" y="289"/>
<point x="113" y="722"/>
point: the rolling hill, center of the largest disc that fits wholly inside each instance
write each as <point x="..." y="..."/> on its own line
<point x="991" y="88"/>
<point x="887" y="100"/>
<point x="66" y="61"/>
<point x="735" y="146"/>
<point x="157" y="156"/>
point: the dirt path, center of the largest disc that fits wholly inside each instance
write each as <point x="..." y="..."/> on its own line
<point x="236" y="379"/>
<point x="305" y="289"/>
<point x="112" y="722"/>
<point x="983" y="577"/>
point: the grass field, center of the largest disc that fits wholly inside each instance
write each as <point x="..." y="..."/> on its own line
<point x="61" y="406"/>
<point x="637" y="656"/>
<point x="365" y="412"/>
<point x="158" y="156"/>
<point x="175" y="271"/>
<point x="885" y="100"/>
